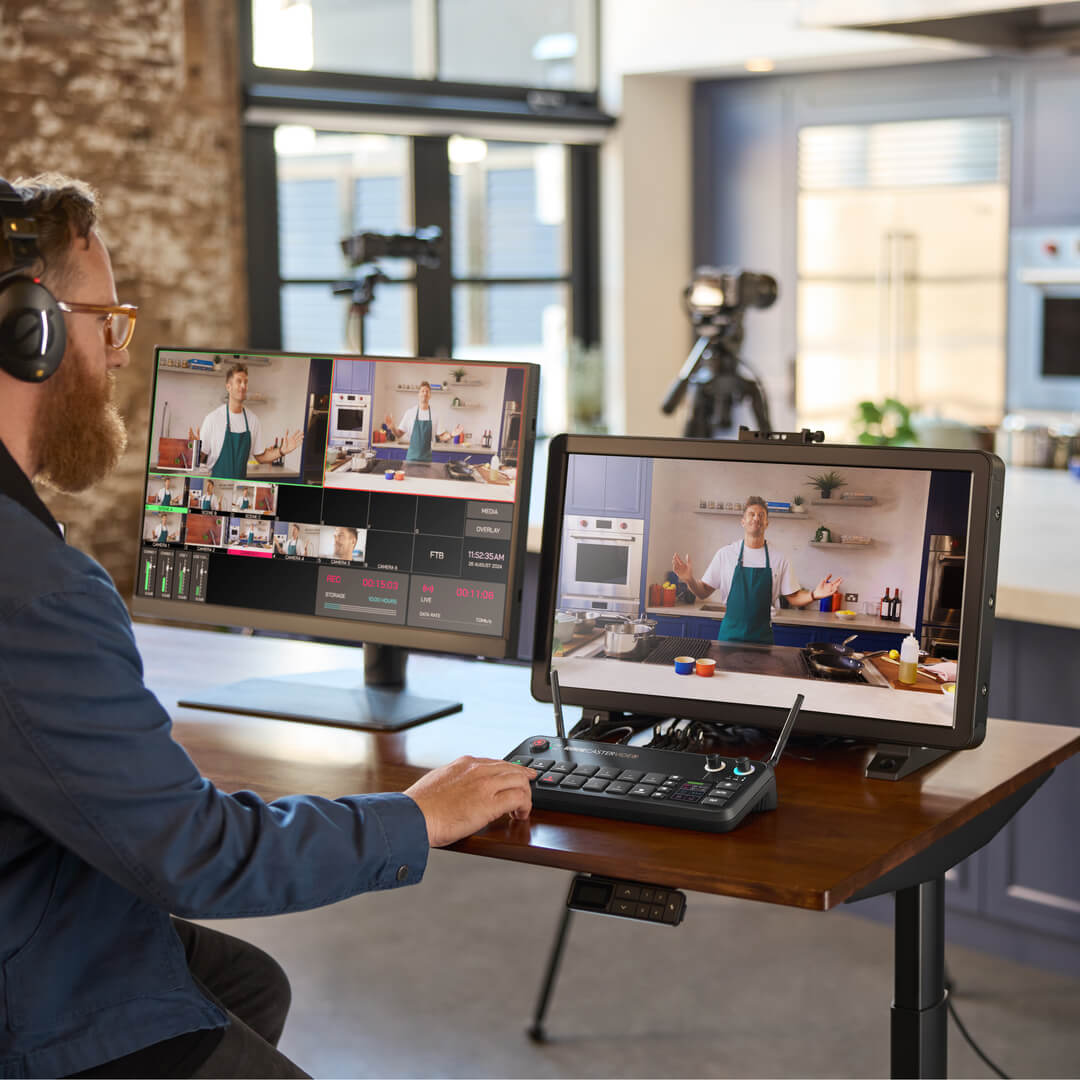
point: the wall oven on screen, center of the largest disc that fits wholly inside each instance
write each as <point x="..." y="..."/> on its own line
<point x="349" y="419"/>
<point x="603" y="557"/>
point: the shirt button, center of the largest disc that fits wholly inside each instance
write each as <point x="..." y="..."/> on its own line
<point x="402" y="873"/>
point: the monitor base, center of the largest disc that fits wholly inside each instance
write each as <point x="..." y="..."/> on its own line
<point x="329" y="697"/>
<point x="895" y="762"/>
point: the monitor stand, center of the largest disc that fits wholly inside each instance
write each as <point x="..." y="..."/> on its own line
<point x="379" y="703"/>
<point x="895" y="762"/>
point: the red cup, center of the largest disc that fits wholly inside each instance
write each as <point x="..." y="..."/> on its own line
<point x="705" y="667"/>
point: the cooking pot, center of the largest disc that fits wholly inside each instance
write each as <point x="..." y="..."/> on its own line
<point x="364" y="461"/>
<point x="1020" y="441"/>
<point x="565" y="623"/>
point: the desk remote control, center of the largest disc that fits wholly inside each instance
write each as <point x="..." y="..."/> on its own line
<point x="711" y="792"/>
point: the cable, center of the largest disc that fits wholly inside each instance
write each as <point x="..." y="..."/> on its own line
<point x="949" y="985"/>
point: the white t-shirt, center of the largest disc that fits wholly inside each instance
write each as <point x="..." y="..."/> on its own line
<point x="215" y="501"/>
<point x="720" y="570"/>
<point x="163" y="493"/>
<point x="212" y="431"/>
<point x="409" y="418"/>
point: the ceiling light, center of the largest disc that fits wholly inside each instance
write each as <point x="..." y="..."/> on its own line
<point x="760" y="63"/>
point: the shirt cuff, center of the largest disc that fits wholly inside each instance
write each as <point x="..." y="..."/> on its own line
<point x="405" y="828"/>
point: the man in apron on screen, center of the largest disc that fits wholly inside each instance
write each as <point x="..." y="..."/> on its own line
<point x="419" y="426"/>
<point x="751" y="580"/>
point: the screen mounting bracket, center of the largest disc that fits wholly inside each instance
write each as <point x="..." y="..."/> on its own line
<point x="806" y="437"/>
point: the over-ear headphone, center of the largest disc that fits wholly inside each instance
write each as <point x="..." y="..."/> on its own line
<point x="32" y="333"/>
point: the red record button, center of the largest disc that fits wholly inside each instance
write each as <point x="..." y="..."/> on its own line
<point x="538" y="745"/>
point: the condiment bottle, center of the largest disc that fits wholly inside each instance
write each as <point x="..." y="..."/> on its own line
<point x="909" y="659"/>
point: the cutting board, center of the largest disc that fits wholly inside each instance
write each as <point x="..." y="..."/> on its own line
<point x="492" y="476"/>
<point x="890" y="669"/>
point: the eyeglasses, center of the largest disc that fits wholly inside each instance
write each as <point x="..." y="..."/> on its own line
<point x="119" y="320"/>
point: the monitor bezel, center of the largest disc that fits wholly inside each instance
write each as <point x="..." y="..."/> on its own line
<point x="976" y="621"/>
<point x="191" y="613"/>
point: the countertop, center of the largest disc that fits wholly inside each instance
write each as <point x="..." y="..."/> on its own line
<point x="1039" y="566"/>
<point x="705" y="609"/>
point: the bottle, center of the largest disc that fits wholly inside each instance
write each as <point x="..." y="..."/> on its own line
<point x="894" y="610"/>
<point x="909" y="660"/>
<point x="836" y="601"/>
<point x="883" y="607"/>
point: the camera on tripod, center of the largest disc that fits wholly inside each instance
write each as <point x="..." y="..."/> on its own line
<point x="422" y="245"/>
<point x="365" y="249"/>
<point x="716" y="301"/>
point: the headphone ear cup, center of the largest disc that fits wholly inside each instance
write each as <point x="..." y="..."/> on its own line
<point x="32" y="332"/>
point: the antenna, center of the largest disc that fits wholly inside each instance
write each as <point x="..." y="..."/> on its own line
<point x="785" y="731"/>
<point x="557" y="701"/>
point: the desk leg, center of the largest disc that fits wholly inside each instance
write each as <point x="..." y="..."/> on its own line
<point x="919" y="1043"/>
<point x="536" y="1032"/>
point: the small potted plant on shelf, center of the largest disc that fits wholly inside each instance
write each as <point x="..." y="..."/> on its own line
<point x="827" y="483"/>
<point x="458" y="374"/>
<point x="798" y="504"/>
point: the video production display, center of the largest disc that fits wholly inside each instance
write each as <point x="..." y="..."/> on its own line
<point x="707" y="582"/>
<point x="353" y="489"/>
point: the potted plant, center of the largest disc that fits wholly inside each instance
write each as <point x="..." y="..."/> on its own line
<point x="798" y="504"/>
<point x="458" y="374"/>
<point x="827" y="483"/>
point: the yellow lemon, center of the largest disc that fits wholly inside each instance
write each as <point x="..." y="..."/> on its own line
<point x="894" y="654"/>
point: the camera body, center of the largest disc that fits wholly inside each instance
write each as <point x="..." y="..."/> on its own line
<point x="422" y="245"/>
<point x="716" y="294"/>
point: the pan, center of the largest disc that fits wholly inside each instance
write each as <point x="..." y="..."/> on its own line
<point x="830" y="648"/>
<point x="844" y="666"/>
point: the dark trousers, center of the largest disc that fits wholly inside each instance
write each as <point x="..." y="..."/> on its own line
<point x="251" y="986"/>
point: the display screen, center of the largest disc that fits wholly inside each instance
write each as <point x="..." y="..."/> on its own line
<point x="255" y="499"/>
<point x="761" y="580"/>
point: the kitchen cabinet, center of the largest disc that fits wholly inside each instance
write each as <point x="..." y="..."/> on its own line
<point x="608" y="485"/>
<point x="1020" y="895"/>
<point x="669" y="626"/>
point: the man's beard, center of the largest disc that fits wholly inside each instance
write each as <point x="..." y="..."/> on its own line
<point x="80" y="434"/>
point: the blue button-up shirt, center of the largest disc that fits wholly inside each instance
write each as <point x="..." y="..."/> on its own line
<point x="106" y="825"/>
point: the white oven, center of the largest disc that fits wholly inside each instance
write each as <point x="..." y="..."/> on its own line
<point x="601" y="562"/>
<point x="350" y="419"/>
<point x="1044" y="319"/>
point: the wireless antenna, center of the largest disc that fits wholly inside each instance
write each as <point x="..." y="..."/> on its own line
<point x="785" y="731"/>
<point x="557" y="701"/>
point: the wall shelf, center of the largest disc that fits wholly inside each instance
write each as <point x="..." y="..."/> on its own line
<point x="836" y="544"/>
<point x="844" y="502"/>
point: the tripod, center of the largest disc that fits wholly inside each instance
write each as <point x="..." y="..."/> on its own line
<point x="361" y="293"/>
<point x="711" y="373"/>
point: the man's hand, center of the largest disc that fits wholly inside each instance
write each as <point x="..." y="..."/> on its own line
<point x="682" y="568"/>
<point x="464" y="796"/>
<point x="291" y="441"/>
<point x="192" y="433"/>
<point x="826" y="587"/>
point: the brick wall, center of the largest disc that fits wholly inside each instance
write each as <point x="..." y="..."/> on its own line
<point x="140" y="98"/>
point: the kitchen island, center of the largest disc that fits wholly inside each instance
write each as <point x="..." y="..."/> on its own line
<point x="800" y="617"/>
<point x="425" y="478"/>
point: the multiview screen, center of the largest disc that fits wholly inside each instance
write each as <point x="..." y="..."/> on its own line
<point x="361" y="489"/>
<point x="748" y="582"/>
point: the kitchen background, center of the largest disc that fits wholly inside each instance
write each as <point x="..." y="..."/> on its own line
<point x="894" y="523"/>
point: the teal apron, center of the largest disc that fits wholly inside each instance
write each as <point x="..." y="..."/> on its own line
<point x="290" y="548"/>
<point x="235" y="451"/>
<point x="163" y="535"/>
<point x="749" y="603"/>
<point x="206" y="502"/>
<point x="166" y="499"/>
<point x="420" y="439"/>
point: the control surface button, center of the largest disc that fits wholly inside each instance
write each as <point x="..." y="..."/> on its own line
<point x="656" y="913"/>
<point x="608" y="773"/>
<point x="630" y="775"/>
<point x="644" y="790"/>
<point x="538" y="746"/>
<point x="671" y="910"/>
<point x="628" y="892"/>
<point x="654" y="778"/>
<point x="587" y="770"/>
<point x="573" y="782"/>
<point x="711" y="800"/>
<point x="660" y="896"/>
<point x="715" y="763"/>
<point x="647" y="895"/>
<point x="542" y="764"/>
<point x="596" y="784"/>
<point x="623" y="907"/>
<point x="563" y="767"/>
<point x="520" y="761"/>
<point x="550" y="779"/>
<point x="743" y="767"/>
<point x="642" y="910"/>
<point x="618" y="787"/>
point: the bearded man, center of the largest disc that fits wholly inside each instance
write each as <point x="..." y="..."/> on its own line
<point x="107" y="830"/>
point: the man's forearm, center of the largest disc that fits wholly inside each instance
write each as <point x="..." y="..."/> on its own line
<point x="699" y="588"/>
<point x="801" y="598"/>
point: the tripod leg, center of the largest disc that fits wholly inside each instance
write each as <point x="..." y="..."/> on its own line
<point x="536" y="1031"/>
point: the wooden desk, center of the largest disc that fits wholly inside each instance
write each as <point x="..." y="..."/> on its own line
<point x="835" y="836"/>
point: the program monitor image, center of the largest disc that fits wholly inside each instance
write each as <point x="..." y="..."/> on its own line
<point x="728" y="583"/>
<point x="302" y="531"/>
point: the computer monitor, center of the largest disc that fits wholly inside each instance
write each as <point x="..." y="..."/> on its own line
<point x="721" y="559"/>
<point x="357" y="498"/>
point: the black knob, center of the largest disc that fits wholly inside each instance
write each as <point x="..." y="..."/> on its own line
<point x="714" y="763"/>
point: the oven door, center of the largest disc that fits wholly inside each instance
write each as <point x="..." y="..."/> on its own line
<point x="1044" y="320"/>
<point x="349" y="418"/>
<point x="602" y="566"/>
<point x="944" y="589"/>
